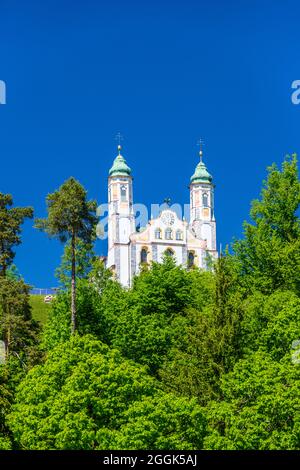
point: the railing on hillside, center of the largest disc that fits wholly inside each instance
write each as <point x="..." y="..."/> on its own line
<point x="42" y="291"/>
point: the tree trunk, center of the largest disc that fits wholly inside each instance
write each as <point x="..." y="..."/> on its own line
<point x="7" y="327"/>
<point x="73" y="287"/>
<point x="7" y="341"/>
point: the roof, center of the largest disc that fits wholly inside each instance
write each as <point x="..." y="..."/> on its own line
<point x="119" y="166"/>
<point x="201" y="174"/>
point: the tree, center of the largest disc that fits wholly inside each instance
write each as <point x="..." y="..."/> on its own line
<point x="99" y="303"/>
<point x="13" y="272"/>
<point x="18" y="330"/>
<point x="269" y="254"/>
<point x="206" y="338"/>
<point x="260" y="406"/>
<point x="5" y="399"/>
<point x="164" y="288"/>
<point x="146" y="324"/>
<point x="85" y="256"/>
<point x="11" y="219"/>
<point x="160" y="422"/>
<point x="87" y="396"/>
<point x="70" y="217"/>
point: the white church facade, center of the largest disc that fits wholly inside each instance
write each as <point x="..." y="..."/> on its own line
<point x="190" y="243"/>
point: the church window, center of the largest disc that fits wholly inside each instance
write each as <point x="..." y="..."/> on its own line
<point x="205" y="200"/>
<point x="123" y="193"/>
<point x="191" y="259"/>
<point x="158" y="234"/>
<point x="179" y="235"/>
<point x="144" y="255"/>
<point x="168" y="234"/>
<point x="109" y="194"/>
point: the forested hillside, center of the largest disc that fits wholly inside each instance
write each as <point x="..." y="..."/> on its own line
<point x="185" y="359"/>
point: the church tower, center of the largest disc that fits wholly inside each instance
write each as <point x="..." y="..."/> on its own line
<point x="121" y="220"/>
<point x="202" y="217"/>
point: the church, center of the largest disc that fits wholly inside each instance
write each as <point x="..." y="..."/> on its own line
<point x="191" y="243"/>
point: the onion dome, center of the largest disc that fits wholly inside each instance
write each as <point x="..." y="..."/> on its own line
<point x="120" y="166"/>
<point x="201" y="174"/>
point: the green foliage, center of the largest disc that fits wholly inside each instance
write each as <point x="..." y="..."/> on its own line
<point x="260" y="407"/>
<point x="271" y="323"/>
<point x="207" y="343"/>
<point x="143" y="339"/>
<point x="160" y="422"/>
<point x="269" y="254"/>
<point x="190" y="367"/>
<point x="86" y="394"/>
<point x="162" y="289"/>
<point x="5" y="399"/>
<point x="18" y="331"/>
<point x="57" y="329"/>
<point x="11" y="219"/>
<point x="71" y="217"/>
<point x="183" y="359"/>
<point x="85" y="257"/>
<point x="13" y="272"/>
<point x="142" y="322"/>
<point x="148" y="320"/>
<point x="97" y="300"/>
<point x="69" y="213"/>
<point x="17" y="328"/>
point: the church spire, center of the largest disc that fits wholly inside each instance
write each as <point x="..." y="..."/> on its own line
<point x="120" y="166"/>
<point x="201" y="174"/>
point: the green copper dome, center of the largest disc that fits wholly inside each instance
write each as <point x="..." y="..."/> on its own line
<point x="120" y="166"/>
<point x="201" y="174"/>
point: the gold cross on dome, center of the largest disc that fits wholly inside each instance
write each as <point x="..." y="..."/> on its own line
<point x="200" y="143"/>
<point x="119" y="138"/>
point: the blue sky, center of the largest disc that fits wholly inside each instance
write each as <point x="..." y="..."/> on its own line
<point x="163" y="73"/>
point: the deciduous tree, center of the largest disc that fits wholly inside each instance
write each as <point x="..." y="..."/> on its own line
<point x="87" y="396"/>
<point x="269" y="253"/>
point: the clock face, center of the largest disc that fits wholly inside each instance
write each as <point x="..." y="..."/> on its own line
<point x="168" y="218"/>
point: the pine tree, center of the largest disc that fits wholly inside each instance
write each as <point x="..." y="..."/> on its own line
<point x="70" y="217"/>
<point x="11" y="219"/>
<point x="18" y="330"/>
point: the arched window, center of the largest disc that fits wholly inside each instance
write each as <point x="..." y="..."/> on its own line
<point x="144" y="255"/>
<point x="169" y="252"/>
<point x="109" y="194"/>
<point x="191" y="259"/>
<point x="168" y="234"/>
<point x="123" y="193"/>
<point x="158" y="234"/>
<point x="179" y="235"/>
<point x="205" y="200"/>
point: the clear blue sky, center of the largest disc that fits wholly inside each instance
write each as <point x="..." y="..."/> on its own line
<point x="163" y="73"/>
